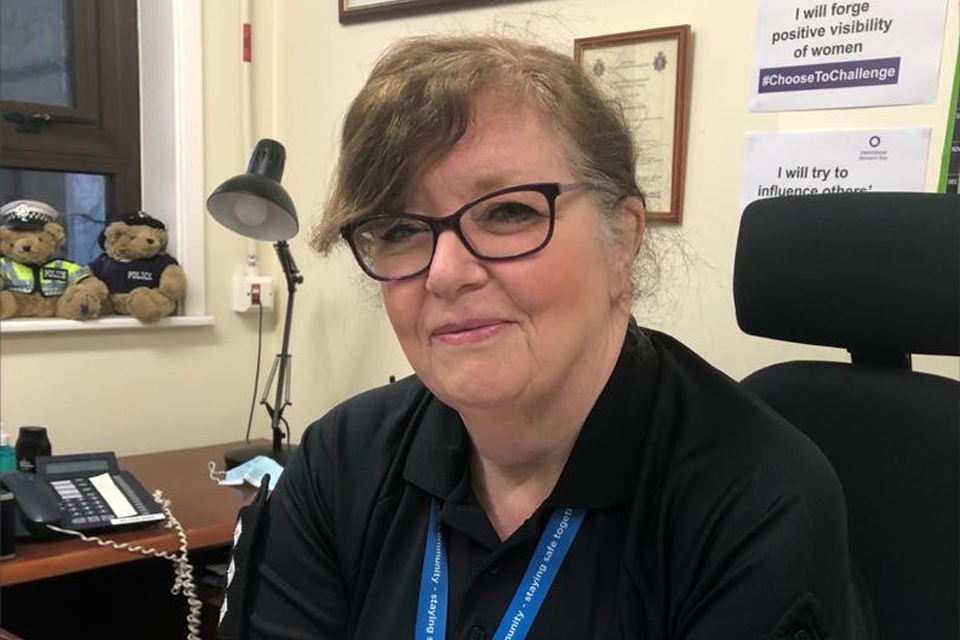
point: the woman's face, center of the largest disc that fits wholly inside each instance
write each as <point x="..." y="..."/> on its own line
<point x="514" y="334"/>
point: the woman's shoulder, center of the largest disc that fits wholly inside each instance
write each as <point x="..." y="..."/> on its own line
<point x="370" y="424"/>
<point x="750" y="509"/>
<point x="722" y="436"/>
<point x="353" y="456"/>
<point x="704" y="398"/>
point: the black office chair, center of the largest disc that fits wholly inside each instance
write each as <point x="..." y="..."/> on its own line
<point x="877" y="274"/>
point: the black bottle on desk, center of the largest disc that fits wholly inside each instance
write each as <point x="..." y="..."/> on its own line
<point x="31" y="442"/>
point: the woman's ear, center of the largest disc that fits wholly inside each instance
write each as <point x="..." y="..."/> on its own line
<point x="631" y="224"/>
<point x="635" y="223"/>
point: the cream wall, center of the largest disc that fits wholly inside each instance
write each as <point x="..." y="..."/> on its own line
<point x="145" y="390"/>
<point x="320" y="66"/>
<point x="152" y="389"/>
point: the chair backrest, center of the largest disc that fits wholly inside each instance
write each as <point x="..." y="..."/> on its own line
<point x="877" y="274"/>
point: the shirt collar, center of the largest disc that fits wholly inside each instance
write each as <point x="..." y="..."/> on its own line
<point x="439" y="452"/>
<point x="603" y="466"/>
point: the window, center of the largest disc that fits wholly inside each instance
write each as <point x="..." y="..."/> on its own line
<point x="171" y="152"/>
<point x="69" y="95"/>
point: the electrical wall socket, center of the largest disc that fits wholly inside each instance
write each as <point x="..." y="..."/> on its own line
<point x="247" y="288"/>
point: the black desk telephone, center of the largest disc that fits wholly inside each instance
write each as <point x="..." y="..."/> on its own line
<point x="85" y="492"/>
<point x="81" y="494"/>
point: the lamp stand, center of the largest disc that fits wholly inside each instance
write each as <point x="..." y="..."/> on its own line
<point x="281" y="365"/>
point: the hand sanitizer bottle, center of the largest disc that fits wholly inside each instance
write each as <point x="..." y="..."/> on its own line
<point x="8" y="458"/>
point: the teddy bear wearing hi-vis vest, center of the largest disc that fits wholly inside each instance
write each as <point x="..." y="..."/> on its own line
<point x="34" y="282"/>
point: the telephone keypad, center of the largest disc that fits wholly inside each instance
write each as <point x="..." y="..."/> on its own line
<point x="81" y="502"/>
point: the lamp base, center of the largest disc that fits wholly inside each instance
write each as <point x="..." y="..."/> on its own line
<point x="237" y="457"/>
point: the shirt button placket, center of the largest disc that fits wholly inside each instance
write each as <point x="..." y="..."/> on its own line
<point x="477" y="633"/>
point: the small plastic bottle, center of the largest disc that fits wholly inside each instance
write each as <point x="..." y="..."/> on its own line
<point x="8" y="457"/>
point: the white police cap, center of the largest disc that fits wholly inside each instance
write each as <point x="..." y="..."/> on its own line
<point x="27" y="213"/>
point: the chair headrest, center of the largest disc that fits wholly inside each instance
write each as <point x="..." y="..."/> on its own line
<point x="867" y="272"/>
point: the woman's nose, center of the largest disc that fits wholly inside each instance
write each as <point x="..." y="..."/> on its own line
<point x="453" y="269"/>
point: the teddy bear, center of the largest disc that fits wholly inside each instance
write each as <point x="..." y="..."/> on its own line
<point x="144" y="281"/>
<point x="34" y="282"/>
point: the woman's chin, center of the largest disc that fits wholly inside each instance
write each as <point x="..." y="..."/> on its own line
<point x="478" y="391"/>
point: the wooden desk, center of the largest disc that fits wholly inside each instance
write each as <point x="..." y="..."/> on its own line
<point x="207" y="511"/>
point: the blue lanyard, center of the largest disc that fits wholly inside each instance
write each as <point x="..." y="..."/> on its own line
<point x="544" y="565"/>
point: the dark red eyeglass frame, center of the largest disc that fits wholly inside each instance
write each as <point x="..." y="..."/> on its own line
<point x="550" y="190"/>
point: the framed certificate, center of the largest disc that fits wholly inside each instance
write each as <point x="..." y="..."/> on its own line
<point x="647" y="72"/>
<point x="361" y="10"/>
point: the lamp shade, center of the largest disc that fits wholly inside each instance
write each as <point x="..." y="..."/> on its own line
<point x="254" y="204"/>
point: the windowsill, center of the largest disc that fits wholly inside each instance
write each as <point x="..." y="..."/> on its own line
<point x="40" y="325"/>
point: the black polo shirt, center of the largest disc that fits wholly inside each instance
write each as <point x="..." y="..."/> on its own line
<point x="708" y="517"/>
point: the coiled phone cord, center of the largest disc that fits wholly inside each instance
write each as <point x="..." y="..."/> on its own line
<point x="182" y="569"/>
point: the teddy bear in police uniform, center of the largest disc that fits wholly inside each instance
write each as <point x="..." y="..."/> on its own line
<point x="144" y="281"/>
<point x="34" y="282"/>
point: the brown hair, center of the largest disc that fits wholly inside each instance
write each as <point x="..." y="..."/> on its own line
<point x="416" y="104"/>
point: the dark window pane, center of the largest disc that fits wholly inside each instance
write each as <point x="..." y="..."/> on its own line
<point x="36" y="54"/>
<point x="79" y="197"/>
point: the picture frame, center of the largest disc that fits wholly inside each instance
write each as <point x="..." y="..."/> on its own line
<point x="351" y="11"/>
<point x="647" y="72"/>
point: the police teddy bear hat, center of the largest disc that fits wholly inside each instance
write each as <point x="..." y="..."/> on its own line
<point x="27" y="215"/>
<point x="132" y="219"/>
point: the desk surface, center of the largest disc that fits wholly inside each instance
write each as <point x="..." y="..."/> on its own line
<point x="207" y="511"/>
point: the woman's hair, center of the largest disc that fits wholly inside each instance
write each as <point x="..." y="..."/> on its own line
<point x="416" y="105"/>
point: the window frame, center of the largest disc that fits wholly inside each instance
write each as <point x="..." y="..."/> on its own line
<point x="84" y="31"/>
<point x="97" y="134"/>
<point x="171" y="158"/>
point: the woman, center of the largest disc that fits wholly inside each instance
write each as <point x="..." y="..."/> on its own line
<point x="552" y="470"/>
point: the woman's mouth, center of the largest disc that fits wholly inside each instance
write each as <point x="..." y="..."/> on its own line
<point x="468" y="332"/>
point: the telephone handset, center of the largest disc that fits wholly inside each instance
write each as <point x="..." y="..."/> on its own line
<point x="83" y="492"/>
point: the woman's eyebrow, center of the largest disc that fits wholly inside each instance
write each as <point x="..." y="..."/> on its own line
<point x="492" y="182"/>
<point x="481" y="186"/>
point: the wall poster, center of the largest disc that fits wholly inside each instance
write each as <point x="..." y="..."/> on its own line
<point x="826" y="54"/>
<point x="782" y="164"/>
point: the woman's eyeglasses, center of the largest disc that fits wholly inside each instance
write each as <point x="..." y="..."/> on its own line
<point x="504" y="225"/>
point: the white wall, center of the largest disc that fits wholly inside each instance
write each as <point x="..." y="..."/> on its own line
<point x="146" y="390"/>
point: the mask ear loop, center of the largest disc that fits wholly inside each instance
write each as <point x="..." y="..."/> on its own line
<point x="215" y="475"/>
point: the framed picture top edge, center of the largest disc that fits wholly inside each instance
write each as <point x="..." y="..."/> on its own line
<point x="388" y="9"/>
<point x="681" y="32"/>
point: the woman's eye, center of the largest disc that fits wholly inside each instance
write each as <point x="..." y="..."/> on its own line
<point x="399" y="232"/>
<point x="504" y="213"/>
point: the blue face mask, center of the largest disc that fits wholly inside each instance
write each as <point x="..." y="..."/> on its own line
<point x="251" y="471"/>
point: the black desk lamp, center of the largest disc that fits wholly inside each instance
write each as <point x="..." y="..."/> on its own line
<point x="256" y="206"/>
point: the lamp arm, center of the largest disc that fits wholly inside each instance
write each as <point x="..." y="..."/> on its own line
<point x="293" y="278"/>
<point x="290" y="270"/>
